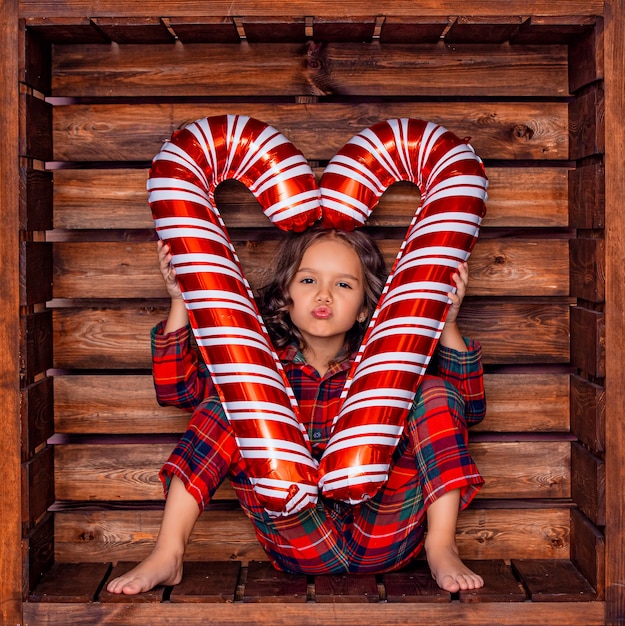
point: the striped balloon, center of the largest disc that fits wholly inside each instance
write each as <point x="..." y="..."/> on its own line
<point x="410" y="316"/>
<point x="230" y="333"/>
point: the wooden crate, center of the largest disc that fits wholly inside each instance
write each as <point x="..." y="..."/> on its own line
<point x="98" y="94"/>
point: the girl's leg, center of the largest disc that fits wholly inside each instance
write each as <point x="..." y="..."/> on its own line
<point x="447" y="569"/>
<point x="449" y="478"/>
<point x="164" y="565"/>
<point x="192" y="473"/>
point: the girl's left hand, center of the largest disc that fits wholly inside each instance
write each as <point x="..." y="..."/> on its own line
<point x="461" y="278"/>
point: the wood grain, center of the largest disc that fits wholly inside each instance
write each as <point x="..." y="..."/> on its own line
<point x="127" y="534"/>
<point x="125" y="404"/>
<point x="347" y="69"/>
<point x="116" y="199"/>
<point x="498" y="267"/>
<point x="129" y="471"/>
<point x="511" y="332"/>
<point x="509" y="130"/>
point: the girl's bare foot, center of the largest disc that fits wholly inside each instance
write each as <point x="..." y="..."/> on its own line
<point x="160" y="568"/>
<point x="448" y="570"/>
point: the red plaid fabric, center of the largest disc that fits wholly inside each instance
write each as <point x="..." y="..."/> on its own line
<point x="379" y="535"/>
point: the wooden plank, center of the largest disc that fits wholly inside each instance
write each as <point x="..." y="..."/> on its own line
<point x="132" y="30"/>
<point x="301" y="8"/>
<point x="313" y="614"/>
<point x="71" y="582"/>
<point x="499" y="267"/>
<point x="129" y="534"/>
<point x="586" y="58"/>
<point x="346" y="588"/>
<point x="36" y="142"/>
<point x="35" y="61"/>
<point x="588" y="551"/>
<point x="124" y="404"/>
<point x="121" y="567"/>
<point x="129" y="471"/>
<point x="466" y="29"/>
<point x="190" y="29"/>
<point x="524" y="326"/>
<point x="588" y="269"/>
<point x="207" y="581"/>
<point x="587" y="196"/>
<point x="532" y="402"/>
<point x="38" y="551"/>
<point x="588" y="345"/>
<point x="37" y="415"/>
<point x="38" y="486"/>
<point x="110" y="132"/>
<point x="112" y="405"/>
<point x="500" y="585"/>
<point x="588" y="413"/>
<point x="117" y="199"/>
<point x="266" y="584"/>
<point x="347" y="69"/>
<point x="35" y="272"/>
<point x="35" y="345"/>
<point x="538" y="29"/>
<point x="553" y="581"/>
<point x="11" y="541"/>
<point x="414" y="584"/>
<point x="56" y="29"/>
<point x="514" y="332"/>
<point x="537" y="469"/>
<point x="36" y="199"/>
<point x="96" y="337"/>
<point x="413" y="29"/>
<point x="588" y="483"/>
<point x="615" y="320"/>
<point x="587" y="119"/>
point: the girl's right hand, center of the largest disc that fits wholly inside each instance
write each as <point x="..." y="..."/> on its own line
<point x="168" y="272"/>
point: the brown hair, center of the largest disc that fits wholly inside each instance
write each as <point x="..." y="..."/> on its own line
<point x="274" y="300"/>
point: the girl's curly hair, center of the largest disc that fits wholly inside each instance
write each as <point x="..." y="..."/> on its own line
<point x="274" y="301"/>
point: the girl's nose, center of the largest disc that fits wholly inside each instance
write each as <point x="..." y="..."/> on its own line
<point x="323" y="295"/>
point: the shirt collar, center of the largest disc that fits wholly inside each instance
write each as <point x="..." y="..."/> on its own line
<point x="291" y="354"/>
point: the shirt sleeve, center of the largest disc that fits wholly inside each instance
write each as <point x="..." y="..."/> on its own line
<point x="465" y="371"/>
<point x="181" y="379"/>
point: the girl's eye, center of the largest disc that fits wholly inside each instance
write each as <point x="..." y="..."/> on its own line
<point x="344" y="285"/>
<point x="307" y="281"/>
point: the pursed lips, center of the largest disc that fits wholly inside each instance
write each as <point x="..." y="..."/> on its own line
<point x="322" y="312"/>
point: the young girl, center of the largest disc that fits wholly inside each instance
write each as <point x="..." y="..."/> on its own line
<point x="316" y="308"/>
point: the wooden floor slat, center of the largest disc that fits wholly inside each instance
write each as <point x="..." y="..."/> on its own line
<point x="539" y="580"/>
<point x="266" y="584"/>
<point x="214" y="581"/>
<point x="414" y="584"/>
<point x="553" y="581"/>
<point x="71" y="582"/>
<point x="346" y="588"/>
<point x="500" y="584"/>
<point x="154" y="595"/>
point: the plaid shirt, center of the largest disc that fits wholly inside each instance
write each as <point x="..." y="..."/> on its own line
<point x="378" y="535"/>
<point x="182" y="379"/>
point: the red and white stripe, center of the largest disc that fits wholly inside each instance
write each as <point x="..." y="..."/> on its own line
<point x="230" y="333"/>
<point x="410" y="316"/>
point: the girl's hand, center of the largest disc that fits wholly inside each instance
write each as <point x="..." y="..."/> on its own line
<point x="461" y="278"/>
<point x="168" y="272"/>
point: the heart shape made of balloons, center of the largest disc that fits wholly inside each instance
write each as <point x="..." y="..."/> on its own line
<point x="245" y="369"/>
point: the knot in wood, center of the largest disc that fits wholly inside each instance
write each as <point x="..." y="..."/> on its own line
<point x="521" y="131"/>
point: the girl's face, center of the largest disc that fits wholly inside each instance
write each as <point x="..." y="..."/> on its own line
<point x="327" y="293"/>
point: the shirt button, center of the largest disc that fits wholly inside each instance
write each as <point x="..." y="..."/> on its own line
<point x="316" y="434"/>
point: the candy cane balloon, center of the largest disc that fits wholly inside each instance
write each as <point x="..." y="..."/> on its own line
<point x="231" y="336"/>
<point x="410" y="316"/>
